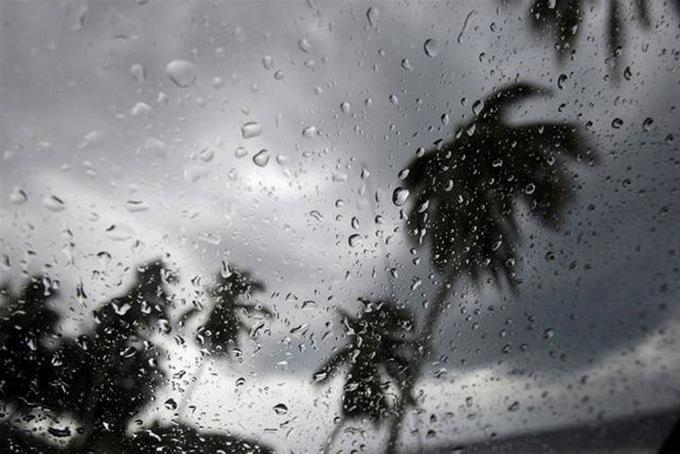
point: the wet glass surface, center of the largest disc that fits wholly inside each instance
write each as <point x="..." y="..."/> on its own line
<point x="307" y="226"/>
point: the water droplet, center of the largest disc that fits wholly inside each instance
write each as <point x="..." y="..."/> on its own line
<point x="140" y="109"/>
<point x="345" y="107"/>
<point x="354" y="240"/>
<point x="134" y="206"/>
<point x="251" y="129"/>
<point x="372" y="14"/>
<point x="240" y="381"/>
<point x="403" y="173"/>
<point x="309" y="132"/>
<point x="514" y="406"/>
<point x="18" y="196"/>
<point x="207" y="154"/>
<point x="561" y="80"/>
<point x="59" y="433"/>
<point x="308" y="304"/>
<point x="355" y="223"/>
<point x="617" y="123"/>
<point x="627" y="73"/>
<point x="549" y="333"/>
<point x="319" y="376"/>
<point x="394" y="100"/>
<point x="304" y="45"/>
<point x="119" y="232"/>
<point x="181" y="72"/>
<point x="261" y="159"/>
<point x="647" y="124"/>
<point x="240" y="152"/>
<point x="529" y="188"/>
<point x="280" y="409"/>
<point x="423" y="206"/>
<point x="477" y="107"/>
<point x="279" y="74"/>
<point x="170" y="404"/>
<point x="137" y="71"/>
<point x="267" y="62"/>
<point x="406" y="64"/>
<point x="431" y="47"/>
<point x="54" y="203"/>
<point x="92" y="139"/>
<point x="400" y="196"/>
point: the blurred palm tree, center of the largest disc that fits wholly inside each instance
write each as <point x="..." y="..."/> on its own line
<point x="466" y="193"/>
<point x="27" y="322"/>
<point x="562" y="20"/>
<point x="377" y="353"/>
<point x="102" y="378"/>
<point x="108" y="375"/>
<point x="226" y="319"/>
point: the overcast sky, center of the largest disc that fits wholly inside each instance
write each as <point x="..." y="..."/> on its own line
<point x="91" y="115"/>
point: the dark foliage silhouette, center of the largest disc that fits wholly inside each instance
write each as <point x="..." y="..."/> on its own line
<point x="377" y="355"/>
<point x="26" y="324"/>
<point x="467" y="192"/>
<point x="220" y="334"/>
<point x="102" y="379"/>
<point x="562" y="21"/>
<point x="107" y="376"/>
<point x="226" y="318"/>
<point x="671" y="444"/>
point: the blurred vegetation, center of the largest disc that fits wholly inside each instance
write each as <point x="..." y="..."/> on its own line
<point x="101" y="380"/>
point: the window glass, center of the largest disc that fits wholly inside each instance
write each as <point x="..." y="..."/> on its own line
<point x="294" y="226"/>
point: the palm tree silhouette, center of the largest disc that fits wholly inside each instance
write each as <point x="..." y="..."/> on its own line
<point x="466" y="193"/>
<point x="26" y="322"/>
<point x="378" y="353"/>
<point x="106" y="376"/>
<point x="220" y="334"/>
<point x="562" y="19"/>
<point x="102" y="378"/>
<point x="225" y="320"/>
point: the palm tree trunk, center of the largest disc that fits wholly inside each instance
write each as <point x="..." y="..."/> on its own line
<point x="331" y="438"/>
<point x="423" y="347"/>
<point x="191" y="387"/>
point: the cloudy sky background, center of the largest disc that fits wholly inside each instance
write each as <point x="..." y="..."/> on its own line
<point x="72" y="74"/>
